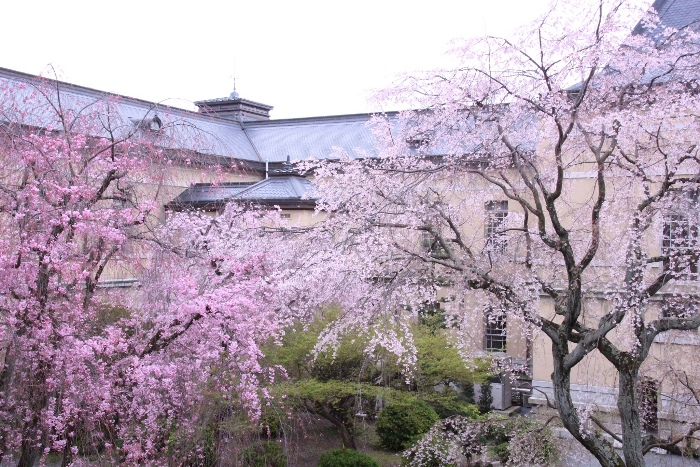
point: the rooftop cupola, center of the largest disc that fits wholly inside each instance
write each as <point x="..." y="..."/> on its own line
<point x="235" y="108"/>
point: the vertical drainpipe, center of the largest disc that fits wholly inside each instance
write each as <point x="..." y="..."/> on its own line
<point x="267" y="166"/>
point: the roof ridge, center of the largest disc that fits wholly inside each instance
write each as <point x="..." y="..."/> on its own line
<point x="93" y="92"/>
<point x="320" y="118"/>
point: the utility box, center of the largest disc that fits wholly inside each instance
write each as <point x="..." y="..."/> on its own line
<point x="502" y="393"/>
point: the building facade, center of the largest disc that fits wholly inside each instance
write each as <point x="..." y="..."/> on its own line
<point x="235" y="152"/>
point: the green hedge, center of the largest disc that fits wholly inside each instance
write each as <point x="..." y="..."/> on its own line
<point x="400" y="425"/>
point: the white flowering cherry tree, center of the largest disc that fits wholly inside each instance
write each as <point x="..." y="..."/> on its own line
<point x="546" y="173"/>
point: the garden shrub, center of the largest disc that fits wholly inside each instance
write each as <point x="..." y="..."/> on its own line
<point x="449" y="404"/>
<point x="497" y="431"/>
<point x="500" y="451"/>
<point x="264" y="454"/>
<point x="346" y="458"/>
<point x="432" y="450"/>
<point x="514" y="441"/>
<point x="401" y="424"/>
<point x="446" y="444"/>
<point x="535" y="447"/>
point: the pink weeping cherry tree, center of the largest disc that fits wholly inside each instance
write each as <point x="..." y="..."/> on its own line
<point x="89" y="369"/>
<point x="551" y="180"/>
<point x="68" y="206"/>
<point x="213" y="299"/>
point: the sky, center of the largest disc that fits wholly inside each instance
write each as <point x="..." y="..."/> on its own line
<point x="305" y="58"/>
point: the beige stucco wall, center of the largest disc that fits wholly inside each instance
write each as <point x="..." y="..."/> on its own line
<point x="172" y="180"/>
<point x="301" y="217"/>
<point x="672" y="362"/>
<point x="594" y="379"/>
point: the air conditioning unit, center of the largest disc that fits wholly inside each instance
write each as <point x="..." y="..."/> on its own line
<point x="502" y="392"/>
<point x="501" y="388"/>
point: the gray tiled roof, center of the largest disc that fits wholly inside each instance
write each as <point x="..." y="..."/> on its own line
<point x="316" y="138"/>
<point x="181" y="128"/>
<point x="275" y="140"/>
<point x="678" y="13"/>
<point x="204" y="193"/>
<point x="288" y="187"/>
<point x="279" y="189"/>
<point x="271" y="140"/>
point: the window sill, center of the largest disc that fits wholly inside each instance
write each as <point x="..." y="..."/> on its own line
<point x="678" y="338"/>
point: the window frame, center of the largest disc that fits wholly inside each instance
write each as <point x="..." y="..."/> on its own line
<point x="495" y="331"/>
<point x="680" y="234"/>
<point x="495" y="237"/>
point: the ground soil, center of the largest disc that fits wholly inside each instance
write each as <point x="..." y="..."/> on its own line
<point x="312" y="436"/>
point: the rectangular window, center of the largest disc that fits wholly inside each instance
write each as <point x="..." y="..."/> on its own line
<point x="431" y="246"/>
<point x="495" y="331"/>
<point x="431" y="315"/>
<point x="648" y="397"/>
<point x="678" y="307"/>
<point x="680" y="238"/>
<point x="494" y="229"/>
<point x="683" y="306"/>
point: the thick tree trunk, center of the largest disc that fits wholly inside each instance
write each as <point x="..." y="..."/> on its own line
<point x="629" y="416"/>
<point x="561" y="380"/>
<point x="33" y="440"/>
<point x="326" y="412"/>
<point x="348" y="439"/>
<point x="67" y="453"/>
<point x="28" y="452"/>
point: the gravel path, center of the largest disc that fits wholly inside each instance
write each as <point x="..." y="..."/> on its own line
<point x="579" y="457"/>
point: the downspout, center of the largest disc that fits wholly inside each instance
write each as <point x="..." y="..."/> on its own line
<point x="267" y="166"/>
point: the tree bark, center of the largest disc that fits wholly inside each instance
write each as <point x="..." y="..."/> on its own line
<point x="627" y="404"/>
<point x="325" y="412"/>
<point x="561" y="380"/>
<point x="28" y="452"/>
<point x="32" y="437"/>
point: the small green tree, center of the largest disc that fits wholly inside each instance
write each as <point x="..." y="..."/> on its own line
<point x="448" y="403"/>
<point x="486" y="397"/>
<point x="327" y="383"/>
<point x="334" y="400"/>
<point x="468" y="393"/>
<point x="439" y="361"/>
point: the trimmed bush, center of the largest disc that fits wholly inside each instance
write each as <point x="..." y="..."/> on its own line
<point x="346" y="458"/>
<point x="400" y="425"/>
<point x="264" y="454"/>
